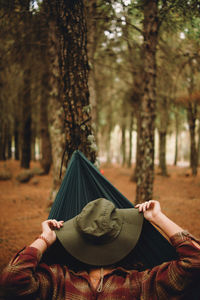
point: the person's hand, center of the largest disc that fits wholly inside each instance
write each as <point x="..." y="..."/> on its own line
<point x="48" y="228"/>
<point x="151" y="209"/>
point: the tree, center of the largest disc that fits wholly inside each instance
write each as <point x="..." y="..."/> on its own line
<point x="189" y="74"/>
<point x="191" y="102"/>
<point x="69" y="103"/>
<point x="74" y="71"/>
<point x="145" y="174"/>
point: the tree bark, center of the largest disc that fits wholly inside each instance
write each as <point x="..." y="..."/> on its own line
<point x="176" y="139"/>
<point x="33" y="144"/>
<point x="46" y="157"/>
<point x="130" y="139"/>
<point x="74" y="71"/>
<point x="26" y="117"/>
<point x="198" y="149"/>
<point x="162" y="152"/>
<point x="2" y="118"/>
<point x="135" y="172"/>
<point x="191" y="114"/>
<point x="9" y="146"/>
<point x="109" y="128"/>
<point x="123" y="136"/>
<point x="192" y="117"/>
<point x="2" y="141"/>
<point x="26" y="121"/>
<point x="55" y="107"/>
<point x="92" y="42"/>
<point x="16" y="140"/>
<point x="145" y="172"/>
<point x="108" y="143"/>
<point x="163" y="126"/>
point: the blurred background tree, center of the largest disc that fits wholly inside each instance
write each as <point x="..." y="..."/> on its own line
<point x="118" y="80"/>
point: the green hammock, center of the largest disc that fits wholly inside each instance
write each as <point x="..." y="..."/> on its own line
<point x="84" y="183"/>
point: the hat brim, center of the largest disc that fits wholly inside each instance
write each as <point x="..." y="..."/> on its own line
<point x="103" y="254"/>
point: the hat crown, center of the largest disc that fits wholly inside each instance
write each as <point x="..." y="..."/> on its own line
<point x="99" y="221"/>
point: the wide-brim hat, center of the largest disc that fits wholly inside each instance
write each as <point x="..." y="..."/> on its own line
<point x="101" y="234"/>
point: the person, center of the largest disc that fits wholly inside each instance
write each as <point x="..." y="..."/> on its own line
<point x="100" y="237"/>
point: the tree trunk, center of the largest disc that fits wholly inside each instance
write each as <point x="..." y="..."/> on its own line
<point x="2" y="122"/>
<point x="2" y="143"/>
<point x="69" y="83"/>
<point x="145" y="172"/>
<point x="162" y="153"/>
<point x="176" y="140"/>
<point x="91" y="47"/>
<point x="108" y="142"/>
<point x="56" y="124"/>
<point x="191" y="114"/>
<point x="109" y="128"/>
<point x="26" y="117"/>
<point x="130" y="139"/>
<point x="135" y="171"/>
<point x="33" y="144"/>
<point x="55" y="108"/>
<point x="198" y="151"/>
<point x="123" y="143"/>
<point x="16" y="140"/>
<point x="26" y="122"/>
<point x="74" y="70"/>
<point x="164" y="121"/>
<point x="9" y="146"/>
<point x="46" y="157"/>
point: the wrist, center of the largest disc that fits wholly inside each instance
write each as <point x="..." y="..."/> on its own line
<point x="158" y="219"/>
<point x="45" y="240"/>
<point x="49" y="237"/>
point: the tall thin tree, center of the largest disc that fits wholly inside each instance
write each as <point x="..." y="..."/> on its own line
<point x="145" y="173"/>
<point x="73" y="59"/>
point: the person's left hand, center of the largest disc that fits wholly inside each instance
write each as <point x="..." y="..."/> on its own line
<point x="151" y="209"/>
<point x="48" y="228"/>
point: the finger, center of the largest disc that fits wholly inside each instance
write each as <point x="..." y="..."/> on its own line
<point x="52" y="224"/>
<point x="144" y="206"/>
<point x="141" y="207"/>
<point x="57" y="224"/>
<point x="60" y="224"/>
<point x="149" y="204"/>
<point x="138" y="206"/>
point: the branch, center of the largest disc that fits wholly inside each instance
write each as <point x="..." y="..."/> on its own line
<point x="136" y="28"/>
<point x="119" y="20"/>
<point x="164" y="12"/>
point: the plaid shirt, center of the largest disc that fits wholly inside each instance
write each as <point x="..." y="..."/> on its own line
<point x="26" y="278"/>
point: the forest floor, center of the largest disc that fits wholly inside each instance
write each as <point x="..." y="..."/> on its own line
<point x="24" y="206"/>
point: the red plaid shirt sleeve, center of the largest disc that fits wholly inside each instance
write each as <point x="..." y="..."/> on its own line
<point x="26" y="278"/>
<point x="18" y="277"/>
<point x="171" y="280"/>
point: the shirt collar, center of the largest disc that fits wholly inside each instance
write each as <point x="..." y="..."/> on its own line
<point x="113" y="271"/>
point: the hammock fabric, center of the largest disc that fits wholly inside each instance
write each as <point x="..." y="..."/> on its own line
<point x="84" y="183"/>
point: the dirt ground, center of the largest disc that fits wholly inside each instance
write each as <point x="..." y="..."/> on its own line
<point x="24" y="206"/>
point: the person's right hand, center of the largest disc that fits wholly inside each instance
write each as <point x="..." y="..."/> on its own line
<point x="48" y="228"/>
<point x="151" y="209"/>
